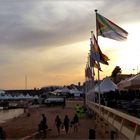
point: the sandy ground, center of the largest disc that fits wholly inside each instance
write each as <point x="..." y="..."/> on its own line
<point x="23" y="126"/>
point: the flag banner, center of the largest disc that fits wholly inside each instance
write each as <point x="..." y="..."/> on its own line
<point x="86" y="75"/>
<point x="94" y="56"/>
<point x="96" y="53"/>
<point x="93" y="63"/>
<point x="103" y="59"/>
<point x="107" y="28"/>
<point x="92" y="59"/>
<point x="88" y="72"/>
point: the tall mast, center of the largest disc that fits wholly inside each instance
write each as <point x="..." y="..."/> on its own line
<point x="92" y="66"/>
<point x="96" y="25"/>
<point x="25" y="82"/>
<point x="91" y="45"/>
<point x="98" y="68"/>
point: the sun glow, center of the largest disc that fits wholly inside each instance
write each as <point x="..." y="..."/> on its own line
<point x="129" y="54"/>
<point x="125" y="54"/>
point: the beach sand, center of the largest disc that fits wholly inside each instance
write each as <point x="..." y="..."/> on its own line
<point x="23" y="126"/>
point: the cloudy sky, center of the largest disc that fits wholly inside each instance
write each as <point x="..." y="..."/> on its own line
<point x="48" y="40"/>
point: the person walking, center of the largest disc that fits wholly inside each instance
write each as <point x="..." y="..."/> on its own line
<point x="75" y="122"/>
<point x="43" y="124"/>
<point x="2" y="134"/>
<point x="58" y="123"/>
<point x="66" y="123"/>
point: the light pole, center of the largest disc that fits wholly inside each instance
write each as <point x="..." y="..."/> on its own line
<point x="25" y="82"/>
<point x="133" y="71"/>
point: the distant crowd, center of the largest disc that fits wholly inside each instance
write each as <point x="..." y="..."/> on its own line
<point x="63" y="124"/>
<point x="59" y="123"/>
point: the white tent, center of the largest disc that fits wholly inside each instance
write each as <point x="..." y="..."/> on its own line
<point x="106" y="86"/>
<point x="5" y="97"/>
<point x="57" y="91"/>
<point x="133" y="82"/>
<point x="27" y="96"/>
<point x="65" y="90"/>
<point x="121" y="84"/>
<point x="35" y="97"/>
<point x="2" y="97"/>
<point x="2" y="91"/>
<point x="21" y="96"/>
<point x="76" y="92"/>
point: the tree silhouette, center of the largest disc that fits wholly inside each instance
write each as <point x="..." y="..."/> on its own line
<point x="117" y="70"/>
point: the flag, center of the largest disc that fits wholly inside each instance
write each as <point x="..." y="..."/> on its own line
<point x="94" y="57"/>
<point x="103" y="59"/>
<point x="97" y="54"/>
<point x="107" y="28"/>
<point x="88" y="72"/>
<point x="94" y="63"/>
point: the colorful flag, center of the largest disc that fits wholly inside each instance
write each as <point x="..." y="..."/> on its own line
<point x="94" y="63"/>
<point x="107" y="28"/>
<point x="103" y="59"/>
<point x="94" y="57"/>
<point x="88" y="72"/>
<point x="97" y="54"/>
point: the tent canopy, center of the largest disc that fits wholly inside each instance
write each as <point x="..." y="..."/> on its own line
<point x="2" y="91"/>
<point x="65" y="90"/>
<point x="106" y="86"/>
<point x="133" y="82"/>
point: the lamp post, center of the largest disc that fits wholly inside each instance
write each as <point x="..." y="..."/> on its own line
<point x="133" y="71"/>
<point x="25" y="82"/>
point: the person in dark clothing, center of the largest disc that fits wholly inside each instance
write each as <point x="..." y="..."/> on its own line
<point x="58" y="123"/>
<point x="66" y="123"/>
<point x="75" y="122"/>
<point x="44" y="121"/>
<point x="40" y="127"/>
<point x="2" y="134"/>
<point x="44" y="118"/>
<point x="43" y="124"/>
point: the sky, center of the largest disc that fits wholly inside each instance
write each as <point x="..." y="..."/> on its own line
<point x="47" y="41"/>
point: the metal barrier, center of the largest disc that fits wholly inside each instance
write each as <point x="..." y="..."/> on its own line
<point x="127" y="125"/>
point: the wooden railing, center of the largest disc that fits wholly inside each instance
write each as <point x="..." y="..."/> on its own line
<point x="127" y="125"/>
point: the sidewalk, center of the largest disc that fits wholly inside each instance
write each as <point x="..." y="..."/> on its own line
<point x="83" y="132"/>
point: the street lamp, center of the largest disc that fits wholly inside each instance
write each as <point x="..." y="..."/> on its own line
<point x="133" y="71"/>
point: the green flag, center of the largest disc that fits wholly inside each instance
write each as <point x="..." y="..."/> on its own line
<point x="107" y="28"/>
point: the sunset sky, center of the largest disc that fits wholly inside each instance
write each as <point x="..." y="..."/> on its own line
<point x="48" y="40"/>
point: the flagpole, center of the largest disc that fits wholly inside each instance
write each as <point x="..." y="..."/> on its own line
<point x="98" y="68"/>
<point x="96" y="25"/>
<point x="92" y="65"/>
<point x="25" y="82"/>
<point x="90" y="78"/>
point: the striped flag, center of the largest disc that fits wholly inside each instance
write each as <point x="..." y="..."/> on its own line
<point x="94" y="56"/>
<point x="97" y="54"/>
<point x="92" y="59"/>
<point x="88" y="72"/>
<point x="107" y="28"/>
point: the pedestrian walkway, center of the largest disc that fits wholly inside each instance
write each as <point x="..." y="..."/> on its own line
<point x="83" y="131"/>
<point x="87" y="122"/>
